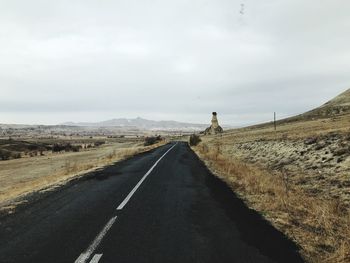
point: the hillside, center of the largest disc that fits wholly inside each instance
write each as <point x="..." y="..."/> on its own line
<point x="337" y="106"/>
<point x="297" y="176"/>
<point x="340" y="105"/>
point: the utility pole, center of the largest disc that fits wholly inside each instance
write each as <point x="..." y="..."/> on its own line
<point x="274" y="120"/>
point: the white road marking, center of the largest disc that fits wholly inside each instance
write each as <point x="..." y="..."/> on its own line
<point x="96" y="258"/>
<point x="126" y="200"/>
<point x="90" y="250"/>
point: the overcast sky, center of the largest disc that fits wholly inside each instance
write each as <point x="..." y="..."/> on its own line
<point x="92" y="60"/>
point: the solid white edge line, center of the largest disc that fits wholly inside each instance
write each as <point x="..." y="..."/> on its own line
<point x="90" y="250"/>
<point x="126" y="200"/>
<point x="96" y="258"/>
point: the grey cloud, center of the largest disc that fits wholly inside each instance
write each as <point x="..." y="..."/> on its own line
<point x="171" y="59"/>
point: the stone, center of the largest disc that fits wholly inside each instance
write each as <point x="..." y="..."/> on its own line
<point x="311" y="140"/>
<point x="214" y="128"/>
<point x="341" y="151"/>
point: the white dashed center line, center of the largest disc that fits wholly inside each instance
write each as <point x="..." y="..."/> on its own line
<point x="87" y="253"/>
<point x="126" y="200"/>
<point x="91" y="249"/>
<point x="96" y="258"/>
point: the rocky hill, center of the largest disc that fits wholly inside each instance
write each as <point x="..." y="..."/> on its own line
<point x="338" y="106"/>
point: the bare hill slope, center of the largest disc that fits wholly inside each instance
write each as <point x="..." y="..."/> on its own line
<point x="338" y="106"/>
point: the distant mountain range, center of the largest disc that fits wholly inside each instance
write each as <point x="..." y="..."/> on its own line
<point x="141" y="124"/>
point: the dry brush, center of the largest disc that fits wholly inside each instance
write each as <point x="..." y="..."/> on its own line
<point x="320" y="226"/>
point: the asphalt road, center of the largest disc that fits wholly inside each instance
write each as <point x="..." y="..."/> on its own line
<point x="161" y="206"/>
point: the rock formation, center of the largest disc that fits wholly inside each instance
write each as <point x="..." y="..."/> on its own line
<point x="214" y="128"/>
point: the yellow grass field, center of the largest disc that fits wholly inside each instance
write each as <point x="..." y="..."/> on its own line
<point x="19" y="177"/>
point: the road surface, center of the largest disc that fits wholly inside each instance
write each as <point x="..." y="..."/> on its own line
<point x="161" y="206"/>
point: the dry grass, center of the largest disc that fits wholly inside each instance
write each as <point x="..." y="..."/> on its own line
<point x="23" y="176"/>
<point x="319" y="224"/>
<point x="293" y="130"/>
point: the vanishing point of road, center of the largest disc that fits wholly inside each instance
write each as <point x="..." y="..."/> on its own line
<point x="161" y="206"/>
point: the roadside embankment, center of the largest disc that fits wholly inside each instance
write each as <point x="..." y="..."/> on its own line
<point x="298" y="181"/>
